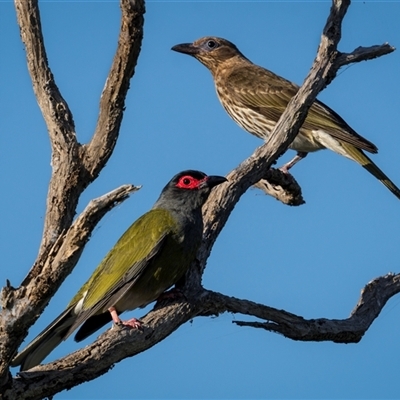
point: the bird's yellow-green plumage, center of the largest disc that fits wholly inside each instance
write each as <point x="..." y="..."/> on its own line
<point x="129" y="254"/>
<point x="150" y="257"/>
<point x="148" y="254"/>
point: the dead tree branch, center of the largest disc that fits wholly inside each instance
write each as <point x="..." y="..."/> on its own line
<point x="117" y="344"/>
<point x="373" y="298"/>
<point x="74" y="167"/>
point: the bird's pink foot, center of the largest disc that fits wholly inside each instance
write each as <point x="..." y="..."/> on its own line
<point x="133" y="322"/>
<point x="284" y="169"/>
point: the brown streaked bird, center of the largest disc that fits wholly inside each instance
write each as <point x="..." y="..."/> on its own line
<point x="255" y="98"/>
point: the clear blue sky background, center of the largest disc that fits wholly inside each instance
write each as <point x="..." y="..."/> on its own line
<point x="311" y="260"/>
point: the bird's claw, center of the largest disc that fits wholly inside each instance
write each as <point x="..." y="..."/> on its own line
<point x="133" y="323"/>
<point x="285" y="169"/>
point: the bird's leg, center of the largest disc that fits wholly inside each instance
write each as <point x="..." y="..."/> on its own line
<point x="133" y="322"/>
<point x="299" y="156"/>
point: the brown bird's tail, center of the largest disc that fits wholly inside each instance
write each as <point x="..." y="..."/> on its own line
<point x="358" y="156"/>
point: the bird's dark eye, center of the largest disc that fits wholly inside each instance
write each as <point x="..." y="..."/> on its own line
<point x="211" y="44"/>
<point x="186" y="181"/>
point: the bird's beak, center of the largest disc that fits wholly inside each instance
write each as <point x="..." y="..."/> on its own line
<point x="214" y="180"/>
<point x="186" y="48"/>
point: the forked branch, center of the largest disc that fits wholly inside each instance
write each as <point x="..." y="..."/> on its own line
<point x="74" y="167"/>
<point x="115" y="345"/>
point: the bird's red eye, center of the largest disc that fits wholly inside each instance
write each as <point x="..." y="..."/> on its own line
<point x="188" y="182"/>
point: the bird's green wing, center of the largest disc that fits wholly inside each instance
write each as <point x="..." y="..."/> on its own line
<point x="125" y="261"/>
<point x="269" y="94"/>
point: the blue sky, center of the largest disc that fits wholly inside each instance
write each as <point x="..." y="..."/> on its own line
<point x="311" y="260"/>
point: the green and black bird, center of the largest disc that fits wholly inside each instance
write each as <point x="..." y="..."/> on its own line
<point x="151" y="256"/>
<point x="255" y="98"/>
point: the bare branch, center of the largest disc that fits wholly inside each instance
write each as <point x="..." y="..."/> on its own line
<point x="364" y="53"/>
<point x="62" y="199"/>
<point x="281" y="186"/>
<point x="96" y="359"/>
<point x="112" y="102"/>
<point x="62" y="244"/>
<point x="54" y="108"/>
<point x="373" y="298"/>
<point x="76" y="166"/>
<point x="118" y="344"/>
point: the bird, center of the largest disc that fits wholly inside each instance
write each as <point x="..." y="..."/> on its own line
<point x="255" y="98"/>
<point x="152" y="255"/>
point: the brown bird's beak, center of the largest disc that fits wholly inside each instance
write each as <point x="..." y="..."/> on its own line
<point x="186" y="48"/>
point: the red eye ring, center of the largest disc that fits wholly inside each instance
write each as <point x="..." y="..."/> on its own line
<point x="189" y="182"/>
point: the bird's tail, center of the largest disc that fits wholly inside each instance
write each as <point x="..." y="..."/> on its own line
<point x="45" y="342"/>
<point x="358" y="156"/>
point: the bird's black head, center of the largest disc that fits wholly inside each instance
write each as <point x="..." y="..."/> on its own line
<point x="188" y="189"/>
<point x="210" y="51"/>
